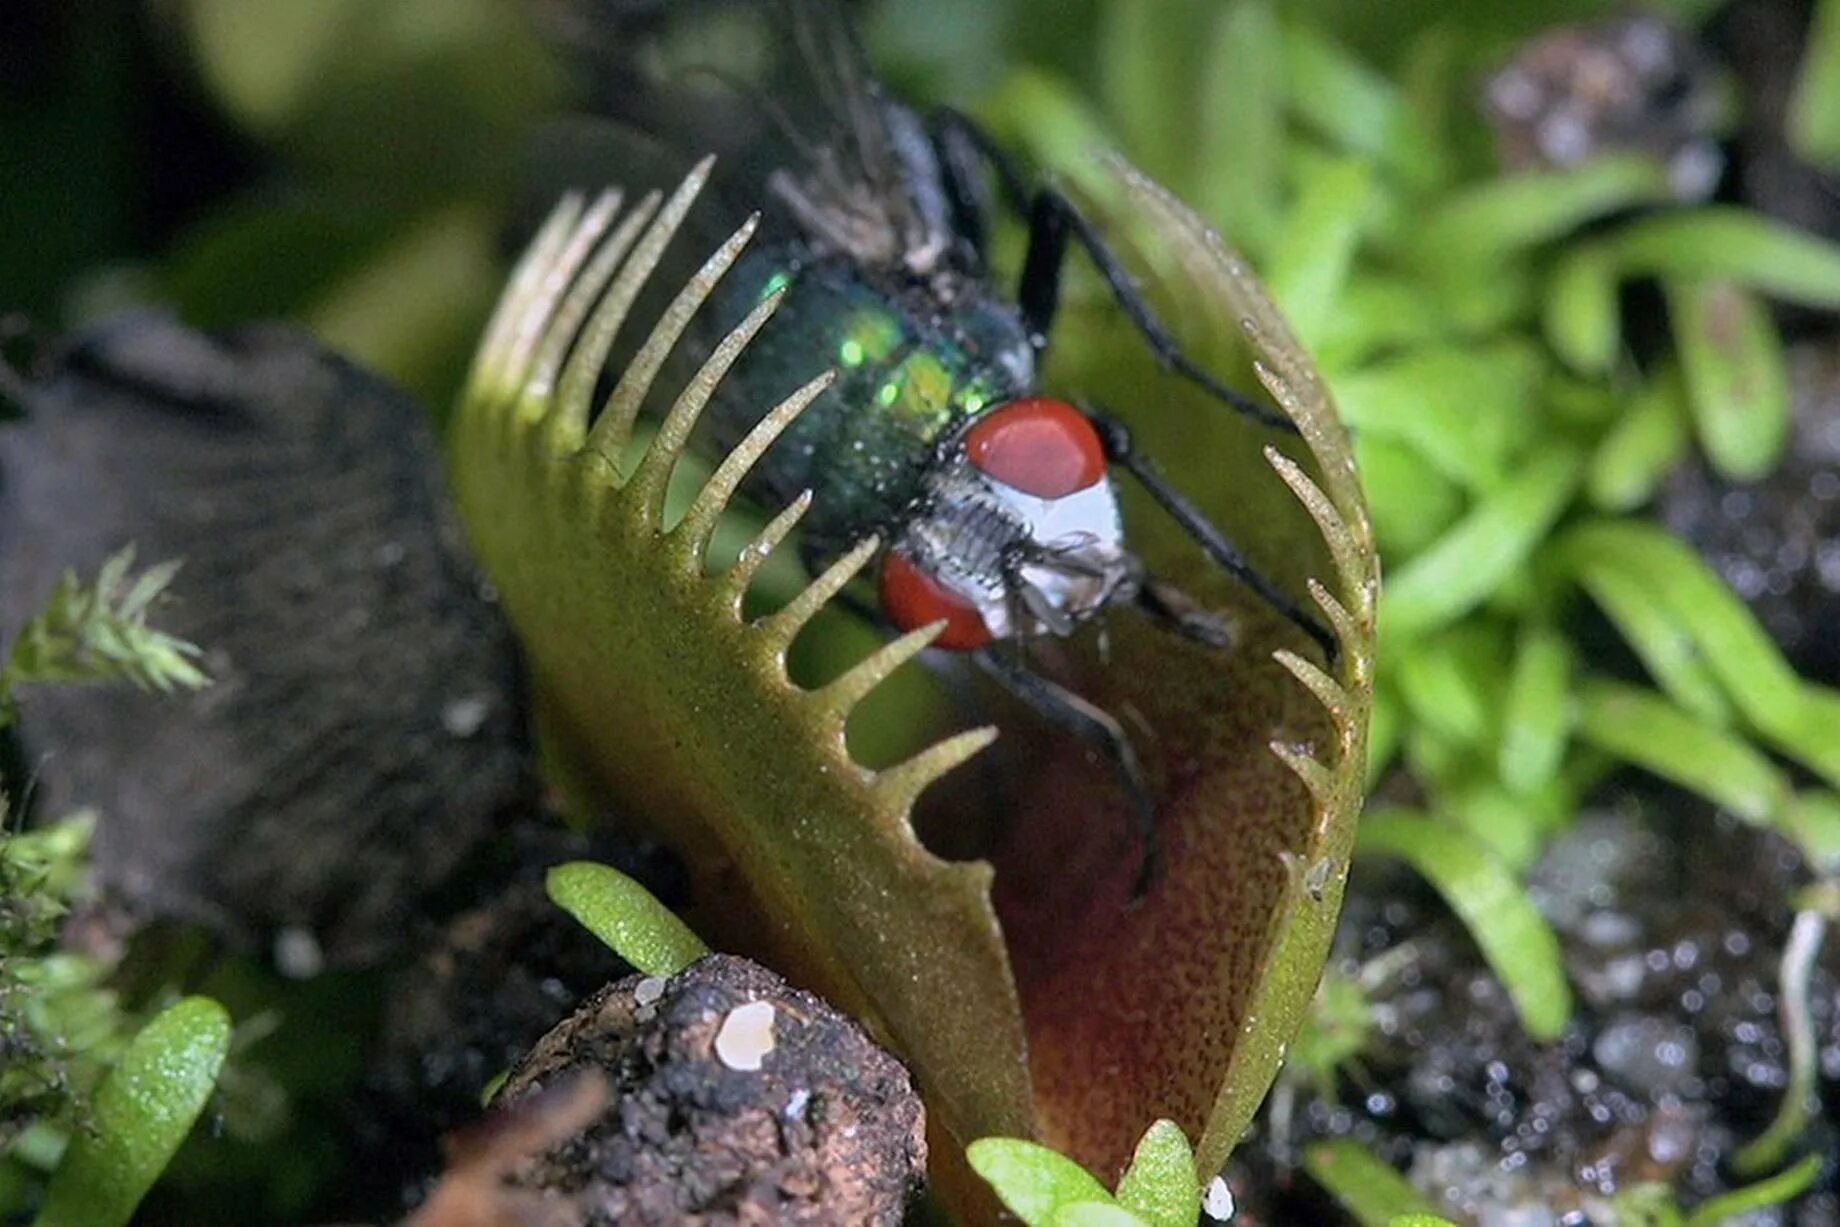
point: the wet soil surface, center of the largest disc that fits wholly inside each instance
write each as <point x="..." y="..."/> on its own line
<point x="1672" y="920"/>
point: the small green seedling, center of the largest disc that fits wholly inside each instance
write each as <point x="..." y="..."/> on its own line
<point x="1046" y="1189"/>
<point x="624" y="914"/>
<point x="141" y="1114"/>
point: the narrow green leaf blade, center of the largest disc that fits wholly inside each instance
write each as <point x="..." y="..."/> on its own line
<point x="1778" y="1189"/>
<point x="1721" y="243"/>
<point x="1310" y="263"/>
<point x="624" y="914"/>
<point x="1814" y="108"/>
<point x="1366" y="1186"/>
<point x="1736" y="375"/>
<point x="1508" y="216"/>
<point x="1580" y="312"/>
<point x="141" y="1114"/>
<point x="1487" y="546"/>
<point x="1641" y="727"/>
<point x="1509" y="930"/>
<point x="1536" y="718"/>
<point x="1642" y="448"/>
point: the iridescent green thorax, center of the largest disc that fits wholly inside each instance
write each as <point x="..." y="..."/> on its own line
<point x="910" y="370"/>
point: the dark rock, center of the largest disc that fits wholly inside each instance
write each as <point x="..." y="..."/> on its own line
<point x="364" y="732"/>
<point x="736" y="1100"/>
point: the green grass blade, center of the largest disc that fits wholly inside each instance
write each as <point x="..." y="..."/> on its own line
<point x="624" y="914"/>
<point x="1241" y="128"/>
<point x="1410" y="500"/>
<point x="1465" y="409"/>
<point x="1720" y="243"/>
<point x="1814" y="108"/>
<point x="141" y="1114"/>
<point x="1505" y="217"/>
<point x="1641" y="727"/>
<point x="1536" y="718"/>
<point x="1509" y="930"/>
<point x="1777" y="1190"/>
<point x="1801" y="721"/>
<point x="1366" y="1186"/>
<point x="1642" y="448"/>
<point x="1486" y="548"/>
<point x="1352" y="106"/>
<point x="1736" y="375"/>
<point x="1310" y="263"/>
<point x="1667" y="649"/>
<point x="1580" y="313"/>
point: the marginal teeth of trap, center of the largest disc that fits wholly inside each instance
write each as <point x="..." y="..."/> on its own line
<point x="544" y="354"/>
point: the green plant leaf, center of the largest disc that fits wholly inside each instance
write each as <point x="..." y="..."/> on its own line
<point x="624" y="914"/>
<point x="1240" y="118"/>
<point x="1580" y="313"/>
<point x="1464" y="409"/>
<point x="1736" y="375"/>
<point x="1642" y="448"/>
<point x="1487" y="225"/>
<point x="1412" y="502"/>
<point x="1094" y="1214"/>
<point x="141" y="1113"/>
<point x="1778" y="1190"/>
<point x="1316" y="246"/>
<point x="1032" y="1180"/>
<point x="1814" y="107"/>
<point x="1353" y="106"/>
<point x="1720" y="243"/>
<point x="1668" y="649"/>
<point x="1643" y="728"/>
<point x="1484" y="549"/>
<point x="1800" y="720"/>
<point x="1513" y="936"/>
<point x="1161" y="1186"/>
<point x="1366" y="1186"/>
<point x="1536" y="717"/>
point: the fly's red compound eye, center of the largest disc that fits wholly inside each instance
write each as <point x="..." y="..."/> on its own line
<point x="912" y="598"/>
<point x="1038" y="445"/>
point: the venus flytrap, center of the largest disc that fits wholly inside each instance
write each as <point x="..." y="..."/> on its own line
<point x="664" y="696"/>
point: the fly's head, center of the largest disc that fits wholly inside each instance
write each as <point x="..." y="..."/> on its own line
<point x="1018" y="532"/>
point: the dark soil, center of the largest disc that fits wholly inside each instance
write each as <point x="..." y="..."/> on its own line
<point x="364" y="733"/>
<point x="736" y="1100"/>
<point x="1672" y="920"/>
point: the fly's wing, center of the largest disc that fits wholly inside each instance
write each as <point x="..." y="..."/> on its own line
<point x="779" y="90"/>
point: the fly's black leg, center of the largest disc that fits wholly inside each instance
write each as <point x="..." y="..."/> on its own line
<point x="1099" y="730"/>
<point x="1120" y="450"/>
<point x="1055" y="222"/>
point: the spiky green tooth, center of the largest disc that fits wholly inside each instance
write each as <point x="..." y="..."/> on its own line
<point x="589" y="342"/>
<point x="840" y="696"/>
<point x="783" y="627"/>
<point x="899" y="786"/>
<point x="699" y="523"/>
<point x="1327" y="690"/>
<point x="754" y="555"/>
<point x="1318" y="779"/>
<point x="1333" y="609"/>
<point x="615" y="422"/>
<point x="653" y="475"/>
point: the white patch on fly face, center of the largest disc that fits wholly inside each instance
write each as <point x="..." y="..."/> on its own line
<point x="1081" y="561"/>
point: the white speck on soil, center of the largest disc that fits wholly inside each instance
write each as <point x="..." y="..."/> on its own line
<point x="648" y="990"/>
<point x="746" y="1036"/>
<point x="297" y="954"/>
<point x="1217" y="1200"/>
